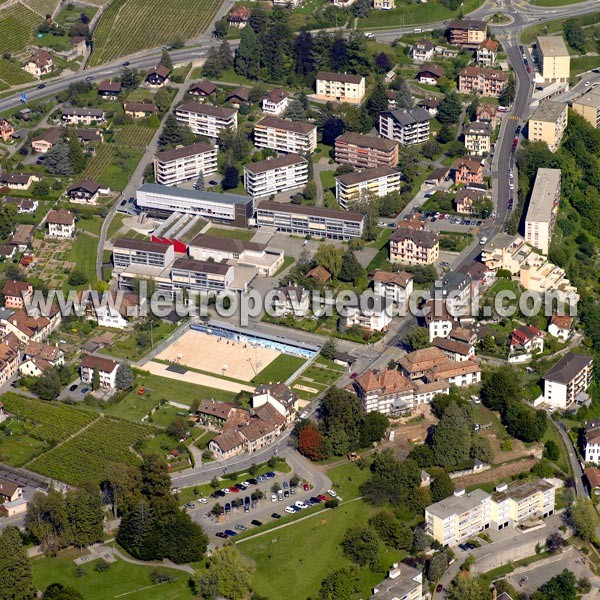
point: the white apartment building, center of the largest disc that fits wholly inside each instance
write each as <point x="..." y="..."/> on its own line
<point x="354" y="188"/>
<point x="568" y="380"/>
<point x="542" y="210"/>
<point x="106" y="368"/>
<point x="340" y="87"/>
<point x="206" y="119"/>
<point x="127" y="251"/>
<point x="406" y="126"/>
<point x="396" y="286"/>
<point x="375" y="316"/>
<point x="283" y="135"/>
<point x="61" y="223"/>
<point x="478" y="138"/>
<point x="591" y="432"/>
<point x="518" y="501"/>
<point x="274" y="175"/>
<point x="553" y="58"/>
<point x="172" y="167"/>
<point x="403" y="583"/>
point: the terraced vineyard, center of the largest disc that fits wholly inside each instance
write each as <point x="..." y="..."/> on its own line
<point x="12" y="74"/>
<point x="42" y="7"/>
<point x="134" y="136"/>
<point x="47" y="422"/>
<point x="89" y="455"/>
<point x="99" y="163"/>
<point x="17" y="23"/>
<point x="128" y="26"/>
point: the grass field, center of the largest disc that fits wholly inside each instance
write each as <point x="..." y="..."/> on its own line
<point x="116" y="175"/>
<point x="581" y="64"/>
<point x="126" y="347"/>
<point x="554" y="2"/>
<point x="41" y="7"/>
<point x="122" y="579"/>
<point x="92" y="225"/>
<point x="128" y="26"/>
<point x="134" y="406"/>
<point x="16" y="24"/>
<point x="83" y="253"/>
<point x="134" y="136"/>
<point x="528" y="36"/>
<point x="115" y="225"/>
<point x="280" y="369"/>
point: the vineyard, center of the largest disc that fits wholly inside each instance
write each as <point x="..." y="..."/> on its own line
<point x="89" y="456"/>
<point x="12" y="74"/>
<point x="134" y="136"/>
<point x="99" y="163"/>
<point x="128" y="26"/>
<point x="49" y="422"/>
<point x="17" y="23"/>
<point x="42" y="7"/>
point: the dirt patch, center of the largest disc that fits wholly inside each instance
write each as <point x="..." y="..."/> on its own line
<point x="412" y="430"/>
<point x="500" y="473"/>
<point x="518" y="450"/>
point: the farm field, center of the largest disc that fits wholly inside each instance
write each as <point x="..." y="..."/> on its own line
<point x="12" y="74"/>
<point x="128" y="26"/>
<point x="134" y="136"/>
<point x="89" y="455"/>
<point x="41" y="7"/>
<point x="98" y="164"/>
<point x="83" y="254"/>
<point x="17" y="23"/>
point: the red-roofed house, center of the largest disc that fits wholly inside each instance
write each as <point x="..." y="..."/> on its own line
<point x="592" y="474"/>
<point x="560" y="327"/>
<point x="239" y="17"/>
<point x="487" y="52"/>
<point x="17" y="293"/>
<point x="388" y="392"/>
<point x="526" y="338"/>
<point x="467" y="170"/>
<point x="107" y="370"/>
<point x="158" y="76"/>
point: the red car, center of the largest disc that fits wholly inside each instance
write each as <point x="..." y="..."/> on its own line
<point x="306" y="487"/>
<point x="233" y="489"/>
<point x="354" y="376"/>
<point x="323" y="497"/>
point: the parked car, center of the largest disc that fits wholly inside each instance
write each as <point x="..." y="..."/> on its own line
<point x="332" y="493"/>
<point x="126" y="64"/>
<point x="234" y="489"/>
<point x="286" y="493"/>
<point x="286" y="485"/>
<point x="315" y="500"/>
<point x="323" y="497"/>
<point x="221" y="534"/>
<point x="275" y="515"/>
<point x="85" y="390"/>
<point x="300" y="504"/>
<point x="270" y="474"/>
<point x="231" y="532"/>
<point x="273" y="497"/>
<point x="240" y="527"/>
<point x="190" y="505"/>
<point x="293" y="490"/>
<point x="256" y="523"/>
<point x="252" y="481"/>
<point x="73" y="387"/>
<point x="290" y="510"/>
<point x="227" y="507"/>
<point x="203" y="500"/>
<point x="306" y="487"/>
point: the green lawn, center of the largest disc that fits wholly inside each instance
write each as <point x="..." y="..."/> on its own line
<point x="126" y="346"/>
<point x="283" y="367"/>
<point x="288" y="261"/>
<point x="115" y="225"/>
<point x="328" y="180"/>
<point x="19" y="448"/>
<point x="134" y="407"/>
<point x="164" y="415"/>
<point x="118" y="172"/>
<point x="83" y="253"/>
<point x="554" y="2"/>
<point x="235" y="234"/>
<point x="528" y="36"/>
<point x="91" y="225"/>
<point x="347" y="479"/>
<point x="581" y="64"/>
<point x="121" y="578"/>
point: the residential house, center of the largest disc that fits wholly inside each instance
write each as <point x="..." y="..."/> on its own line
<point x="279" y="396"/>
<point x="227" y="444"/>
<point x="568" y="380"/>
<point x="398" y="287"/>
<point x="46" y="140"/>
<point x="486" y="113"/>
<point x="61" y="223"/>
<point x="22" y="236"/>
<point x="293" y="300"/>
<point x="467" y="170"/>
<point x="430" y="105"/>
<point x="387" y="392"/>
<point x="548" y="123"/>
<point x="40" y="63"/>
<point x="467" y="33"/>
<point x="416" y="365"/>
<point x="9" y="358"/>
<point x="206" y="119"/>
<point x="140" y="110"/>
<point x="487" y="52"/>
<point x="340" y="87"/>
<point x="109" y="90"/>
<point x="354" y="188"/>
<point x="275" y="102"/>
<point x="7" y="251"/>
<point x="560" y="327"/>
<point x="375" y="317"/>
<point x="478" y="138"/>
<point x="384" y="4"/>
<point x="186" y="163"/>
<point x="158" y="77"/>
<point x="430" y="73"/>
<point x="9" y="490"/>
<point x="406" y="126"/>
<point x="422" y="51"/>
<point x="526" y="339"/>
<point x="438" y="176"/>
<point x="592" y="475"/>
<point x="213" y="413"/>
<point x="454" y="350"/>
<point x="467" y="202"/>
<point x="239" y="96"/>
<point x="83" y="116"/>
<point x="26" y="327"/>
<point x="456" y="291"/>
<point x="239" y="17"/>
<point x="402" y="583"/>
<point x="365" y="151"/>
<point x="591" y="441"/>
<point x="25" y="206"/>
<point x="481" y="80"/>
<point x="414" y="247"/>
<point x="283" y="135"/>
<point x="275" y="175"/>
<point x="320" y="274"/>
<point x="6" y="130"/>
<point x="106" y="368"/>
<point x="87" y="136"/>
<point x="553" y="57"/>
<point x="85" y="191"/>
<point x="38" y="358"/>
<point x="18" y="181"/>
<point x="17" y="294"/>
<point x="203" y="89"/>
<point x="437" y="319"/>
<point x="481" y="277"/>
<point x="543" y="208"/>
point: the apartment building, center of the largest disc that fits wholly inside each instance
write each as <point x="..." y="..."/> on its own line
<point x="206" y="119"/>
<point x="481" y="80"/>
<point x="127" y="251"/>
<point x="458" y="517"/>
<point x="365" y="151"/>
<point x="396" y="286"/>
<point x="518" y="501"/>
<point x="274" y="175"/>
<point x="468" y="33"/>
<point x="283" y="135"/>
<point x="403" y="582"/>
<point x="387" y="392"/>
<point x="340" y="87"/>
<point x="354" y="188"/>
<point x="374" y="315"/>
<point x="106" y="368"/>
<point x="310" y="220"/>
<point x="588" y="106"/>
<point x="172" y="167"/>
<point x="83" y="116"/>
<point x="487" y="53"/>
<point x="200" y="276"/>
<point x="478" y="138"/>
<point x="17" y="294"/>
<point x="467" y="171"/>
<point x="467" y="201"/>
<point x="161" y="201"/>
<point x="568" y="380"/>
<point x="414" y="247"/>
<point x="406" y="126"/>
<point x="548" y="123"/>
<point x="553" y="58"/>
<point x="542" y="209"/>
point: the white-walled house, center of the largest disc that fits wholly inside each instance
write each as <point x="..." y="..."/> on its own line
<point x="107" y="370"/>
<point x="568" y="380"/>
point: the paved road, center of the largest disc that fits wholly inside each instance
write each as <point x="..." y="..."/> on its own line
<point x="580" y="490"/>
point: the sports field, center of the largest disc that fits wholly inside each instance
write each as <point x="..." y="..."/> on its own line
<point x="211" y="353"/>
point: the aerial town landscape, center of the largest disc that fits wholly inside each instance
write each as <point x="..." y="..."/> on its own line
<point x="299" y="299"/>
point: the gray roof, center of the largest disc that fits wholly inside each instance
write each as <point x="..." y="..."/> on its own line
<point x="286" y="125"/>
<point x="206" y="109"/>
<point x="155" y="188"/>
<point x="541" y="203"/>
<point x="145" y="246"/>
<point x="410" y="116"/>
<point x="342" y="77"/>
<point x="200" y="266"/>
<point x="184" y="151"/>
<point x="568" y="367"/>
<point x="457" y="505"/>
<point x="552" y="45"/>
<point x="313" y="211"/>
<point x="548" y="111"/>
<point x="366" y="175"/>
<point x="278" y="162"/>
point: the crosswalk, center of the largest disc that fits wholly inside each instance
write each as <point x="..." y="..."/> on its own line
<point x="515" y="118"/>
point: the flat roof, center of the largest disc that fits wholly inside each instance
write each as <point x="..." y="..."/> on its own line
<point x="548" y="111"/>
<point x="314" y="211"/>
<point x="165" y="190"/>
<point x="201" y="266"/>
<point x="457" y="505"/>
<point x="367" y="175"/>
<point x="541" y="203"/>
<point x="183" y="151"/>
<point x="552" y="45"/>
<point x="519" y="490"/>
<point x="285" y="160"/>
<point x="143" y="245"/>
<point x="592" y="99"/>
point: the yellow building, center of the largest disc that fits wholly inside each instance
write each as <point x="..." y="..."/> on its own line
<point x="553" y="58"/>
<point x="518" y="501"/>
<point x="548" y="123"/>
<point x="588" y="106"/>
<point x="353" y="188"/>
<point x="340" y="87"/>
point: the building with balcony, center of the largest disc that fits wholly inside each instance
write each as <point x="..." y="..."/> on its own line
<point x="518" y="501"/>
<point x="483" y="81"/>
<point x="414" y="246"/>
<point x="406" y="126"/>
<point x="60" y="223"/>
<point x="467" y="33"/>
<point x="105" y="367"/>
<point x="588" y="106"/>
<point x="548" y="123"/>
<point x="85" y="191"/>
<point x="467" y="171"/>
<point x="340" y="87"/>
<point x="206" y="119"/>
<point x="365" y="151"/>
<point x="487" y="52"/>
<point x="275" y="102"/>
<point x="478" y="138"/>
<point x="542" y="209"/>
<point x="353" y="188"/>
<point x="567" y="380"/>
<point x="274" y="175"/>
<point x="283" y="135"/>
<point x="127" y="251"/>
<point x="403" y="583"/>
<point x="188" y="163"/>
<point x="422" y="51"/>
<point x="83" y="116"/>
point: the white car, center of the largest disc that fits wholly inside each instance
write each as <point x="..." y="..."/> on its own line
<point x="369" y="34"/>
<point x="300" y="504"/>
<point x="203" y="500"/>
<point x="332" y="493"/>
<point x="226" y="491"/>
<point x="273" y="497"/>
<point x="483" y="241"/>
<point x="245" y="484"/>
<point x="289" y="509"/>
<point x="511" y="185"/>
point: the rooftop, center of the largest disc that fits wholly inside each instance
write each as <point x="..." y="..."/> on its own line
<point x="207" y="109"/>
<point x="286" y="125"/>
<point x="552" y="45"/>
<point x="541" y="203"/>
<point x="458" y="504"/>
<point x="183" y="151"/>
<point x="313" y="211"/>
<point x="366" y="141"/>
<point x="200" y="266"/>
<point x="285" y="160"/>
<point x="366" y="175"/>
<point x="410" y="116"/>
<point x="467" y="24"/>
<point x="143" y="245"/>
<point x="592" y="99"/>
<point x="549" y="111"/>
<point x="341" y="77"/>
<point x="519" y="490"/>
<point x="155" y="188"/>
<point x="91" y="361"/>
<point x="568" y="367"/>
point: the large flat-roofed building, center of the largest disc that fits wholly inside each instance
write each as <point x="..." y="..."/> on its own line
<point x="275" y="175"/>
<point x="567" y="379"/>
<point x="403" y="583"/>
<point x="284" y="135"/>
<point x="127" y="251"/>
<point x="354" y="188"/>
<point x="162" y="201"/>
<point x="365" y="151"/>
<point x="310" y="220"/>
<point x="543" y="206"/>
<point x="172" y="167"/>
<point x="199" y="275"/>
<point x="548" y="123"/>
<point x="588" y="106"/>
<point x="458" y="517"/>
<point x="340" y="87"/>
<point x="468" y="33"/>
<point x="518" y="501"/>
<point x="206" y="119"/>
<point x="553" y="58"/>
<point x="406" y="126"/>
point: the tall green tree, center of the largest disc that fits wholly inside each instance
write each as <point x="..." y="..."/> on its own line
<point x="469" y="588"/>
<point x="84" y="516"/>
<point x="57" y="591"/>
<point x="351" y="270"/>
<point x="395" y="534"/>
<point x="584" y="518"/>
<point x="575" y="35"/>
<point x="441" y="487"/>
<point x="16" y="581"/>
<point x="449" y="109"/>
<point x="76" y="156"/>
<point x="165" y="60"/>
<point x="47" y="520"/>
<point x="124" y="379"/>
<point x="342" y="584"/>
<point x="246" y="62"/>
<point x="329" y="256"/>
<point x="507" y="96"/>
<point x="561" y="587"/>
<point x="377" y="101"/>
<point x="360" y="546"/>
<point x="451" y="440"/>
<point x="341" y="417"/>
<point x="58" y="159"/>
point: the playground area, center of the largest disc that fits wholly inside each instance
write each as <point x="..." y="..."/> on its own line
<point x="211" y="353"/>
